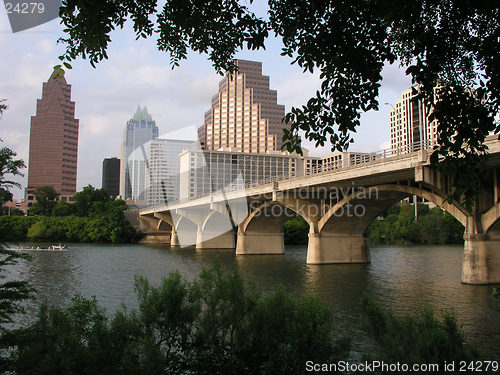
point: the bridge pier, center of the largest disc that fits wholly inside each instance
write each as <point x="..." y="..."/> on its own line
<point x="214" y="240"/>
<point x="159" y="237"/>
<point x="174" y="239"/>
<point x="260" y="243"/>
<point x="481" y="261"/>
<point x="327" y="248"/>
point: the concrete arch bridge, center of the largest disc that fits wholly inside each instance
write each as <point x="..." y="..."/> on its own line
<point x="338" y="205"/>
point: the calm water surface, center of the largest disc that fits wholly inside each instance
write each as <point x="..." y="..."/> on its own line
<point x="402" y="278"/>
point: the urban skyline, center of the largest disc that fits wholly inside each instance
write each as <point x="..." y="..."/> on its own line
<point x="137" y="73"/>
<point x="146" y="178"/>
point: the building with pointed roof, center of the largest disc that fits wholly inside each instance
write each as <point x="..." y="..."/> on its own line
<point x="53" y="152"/>
<point x="140" y="129"/>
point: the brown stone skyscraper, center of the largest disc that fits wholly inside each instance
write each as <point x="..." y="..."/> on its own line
<point x="244" y="114"/>
<point x="54" y="140"/>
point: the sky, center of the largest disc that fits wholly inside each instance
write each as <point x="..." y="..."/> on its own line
<point x="136" y="73"/>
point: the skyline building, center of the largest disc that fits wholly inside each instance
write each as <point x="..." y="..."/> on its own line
<point x="409" y="124"/>
<point x="206" y="172"/>
<point x="53" y="150"/>
<point x="164" y="169"/>
<point x="111" y="176"/>
<point x="245" y="113"/>
<point x="140" y="129"/>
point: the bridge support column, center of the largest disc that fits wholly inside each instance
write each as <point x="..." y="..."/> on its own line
<point x="481" y="262"/>
<point x="160" y="237"/>
<point x="260" y="243"/>
<point x="327" y="248"/>
<point x="174" y="239"/>
<point x="214" y="240"/>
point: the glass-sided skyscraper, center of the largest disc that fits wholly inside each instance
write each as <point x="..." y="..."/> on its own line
<point x="140" y="129"/>
<point x="164" y="169"/>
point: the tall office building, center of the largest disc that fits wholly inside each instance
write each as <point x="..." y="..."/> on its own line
<point x="206" y="172"/>
<point x="53" y="149"/>
<point x="111" y="176"/>
<point x="164" y="169"/>
<point x="245" y="113"/>
<point x="134" y="162"/>
<point x="410" y="126"/>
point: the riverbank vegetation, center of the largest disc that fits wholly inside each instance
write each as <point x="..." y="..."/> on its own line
<point x="219" y="324"/>
<point x="93" y="217"/>
<point x="107" y="225"/>
<point x="397" y="225"/>
<point x="222" y="323"/>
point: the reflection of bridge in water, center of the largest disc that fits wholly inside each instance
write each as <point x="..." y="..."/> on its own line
<point x="338" y="205"/>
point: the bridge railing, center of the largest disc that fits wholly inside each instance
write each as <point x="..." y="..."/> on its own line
<point x="354" y="158"/>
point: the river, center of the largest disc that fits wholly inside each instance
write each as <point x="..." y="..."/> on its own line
<point x="402" y="278"/>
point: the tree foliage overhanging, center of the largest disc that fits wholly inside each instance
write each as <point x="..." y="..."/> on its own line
<point x="452" y="44"/>
<point x="12" y="292"/>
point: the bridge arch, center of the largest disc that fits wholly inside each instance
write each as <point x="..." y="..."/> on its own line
<point x="215" y="232"/>
<point x="164" y="225"/>
<point x="491" y="220"/>
<point x="266" y="217"/>
<point x="215" y="221"/>
<point x="262" y="231"/>
<point x="185" y="232"/>
<point x="336" y="219"/>
<point x="341" y="236"/>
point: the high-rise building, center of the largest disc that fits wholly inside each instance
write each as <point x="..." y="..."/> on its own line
<point x="410" y="126"/>
<point x="111" y="176"/>
<point x="206" y="172"/>
<point x="164" y="169"/>
<point x="244" y="114"/>
<point x="53" y="149"/>
<point x="134" y="163"/>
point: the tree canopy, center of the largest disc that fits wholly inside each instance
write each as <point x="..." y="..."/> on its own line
<point x="3" y="106"/>
<point x="85" y="199"/>
<point x="12" y="292"/>
<point x="45" y="197"/>
<point x="8" y="166"/>
<point x="448" y="47"/>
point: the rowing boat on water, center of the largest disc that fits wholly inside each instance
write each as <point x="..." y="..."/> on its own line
<point x="38" y="248"/>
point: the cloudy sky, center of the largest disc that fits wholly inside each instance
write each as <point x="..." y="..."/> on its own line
<point x="138" y="74"/>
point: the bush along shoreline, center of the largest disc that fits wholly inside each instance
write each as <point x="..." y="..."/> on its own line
<point x="222" y="323"/>
<point x="93" y="217"/>
<point x="111" y="227"/>
<point x="433" y="226"/>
